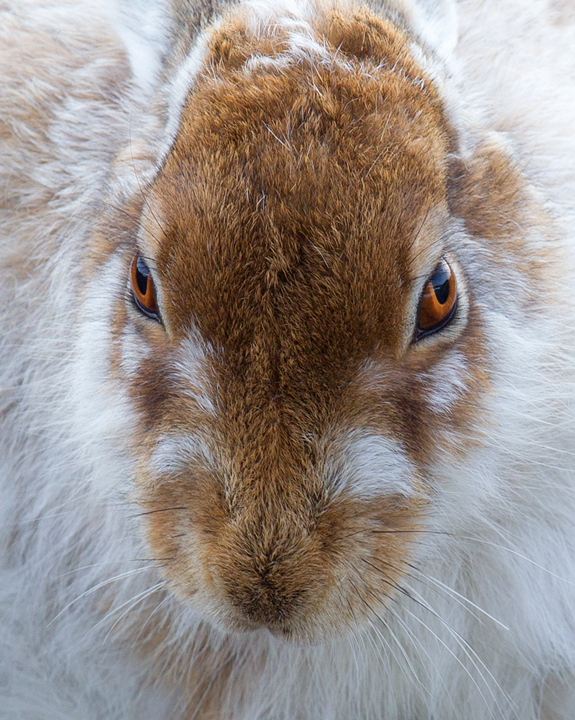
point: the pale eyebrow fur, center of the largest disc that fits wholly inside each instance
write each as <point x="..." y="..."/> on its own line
<point x="180" y="86"/>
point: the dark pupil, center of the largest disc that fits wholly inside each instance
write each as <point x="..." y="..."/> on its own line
<point x="440" y="282"/>
<point x="142" y="275"/>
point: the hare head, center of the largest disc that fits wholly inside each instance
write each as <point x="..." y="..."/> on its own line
<point x="298" y="327"/>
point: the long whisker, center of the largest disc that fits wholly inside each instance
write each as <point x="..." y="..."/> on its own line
<point x="397" y="642"/>
<point x="413" y="595"/>
<point x="520" y="555"/>
<point x="369" y="637"/>
<point x="132" y="602"/>
<point x="97" y="587"/>
<point x="459" y="662"/>
<point x="417" y="642"/>
<point x="458" y="597"/>
<point x="471" y="653"/>
<point x="107" y="562"/>
<point x="387" y="644"/>
<point x="159" y="510"/>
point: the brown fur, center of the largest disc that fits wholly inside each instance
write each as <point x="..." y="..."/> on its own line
<point x="493" y="198"/>
<point x="296" y="215"/>
<point x="288" y="204"/>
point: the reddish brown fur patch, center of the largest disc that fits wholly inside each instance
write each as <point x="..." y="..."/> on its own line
<point x="291" y="200"/>
<point x="287" y="228"/>
<point x="298" y="194"/>
<point x="517" y="251"/>
<point x="491" y="195"/>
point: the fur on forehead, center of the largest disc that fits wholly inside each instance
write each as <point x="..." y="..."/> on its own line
<point x="284" y="31"/>
<point x="285" y="174"/>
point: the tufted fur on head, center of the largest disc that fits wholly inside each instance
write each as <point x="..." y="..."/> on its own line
<point x="277" y="497"/>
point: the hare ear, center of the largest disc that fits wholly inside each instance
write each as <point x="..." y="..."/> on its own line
<point x="435" y="21"/>
<point x="144" y="27"/>
<point x="438" y="25"/>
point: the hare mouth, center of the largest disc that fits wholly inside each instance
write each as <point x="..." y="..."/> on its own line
<point x="302" y="582"/>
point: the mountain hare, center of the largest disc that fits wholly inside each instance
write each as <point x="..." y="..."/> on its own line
<point x="287" y="360"/>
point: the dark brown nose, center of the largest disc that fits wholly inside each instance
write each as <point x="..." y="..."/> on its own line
<point x="274" y="576"/>
<point x="266" y="594"/>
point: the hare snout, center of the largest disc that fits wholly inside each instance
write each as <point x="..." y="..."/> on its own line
<point x="271" y="573"/>
<point x="299" y="544"/>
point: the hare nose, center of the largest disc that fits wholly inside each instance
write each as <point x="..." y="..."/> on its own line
<point x="266" y="594"/>
<point x="270" y="573"/>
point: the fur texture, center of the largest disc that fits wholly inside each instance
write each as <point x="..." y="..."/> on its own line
<point x="276" y="503"/>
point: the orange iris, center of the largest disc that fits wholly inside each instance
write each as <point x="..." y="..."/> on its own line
<point x="143" y="288"/>
<point x="438" y="300"/>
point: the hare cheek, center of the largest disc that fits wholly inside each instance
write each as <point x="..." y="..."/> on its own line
<point x="447" y="383"/>
<point x="103" y="414"/>
<point x="97" y="343"/>
<point x="367" y="466"/>
<point x="175" y="453"/>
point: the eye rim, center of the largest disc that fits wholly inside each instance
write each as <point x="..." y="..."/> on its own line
<point x="146" y="302"/>
<point x="452" y="302"/>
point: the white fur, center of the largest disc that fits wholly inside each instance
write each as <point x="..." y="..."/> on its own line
<point x="181" y="85"/>
<point x="175" y="453"/>
<point x="190" y="371"/>
<point x="144" y="28"/>
<point x="436" y="20"/>
<point x="486" y="627"/>
<point x="291" y="17"/>
<point x="447" y="382"/>
<point x="367" y="465"/>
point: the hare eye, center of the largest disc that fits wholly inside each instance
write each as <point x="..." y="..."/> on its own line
<point x="143" y="288"/>
<point x="438" y="301"/>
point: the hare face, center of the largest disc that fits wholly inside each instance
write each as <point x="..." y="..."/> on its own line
<point x="283" y="384"/>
